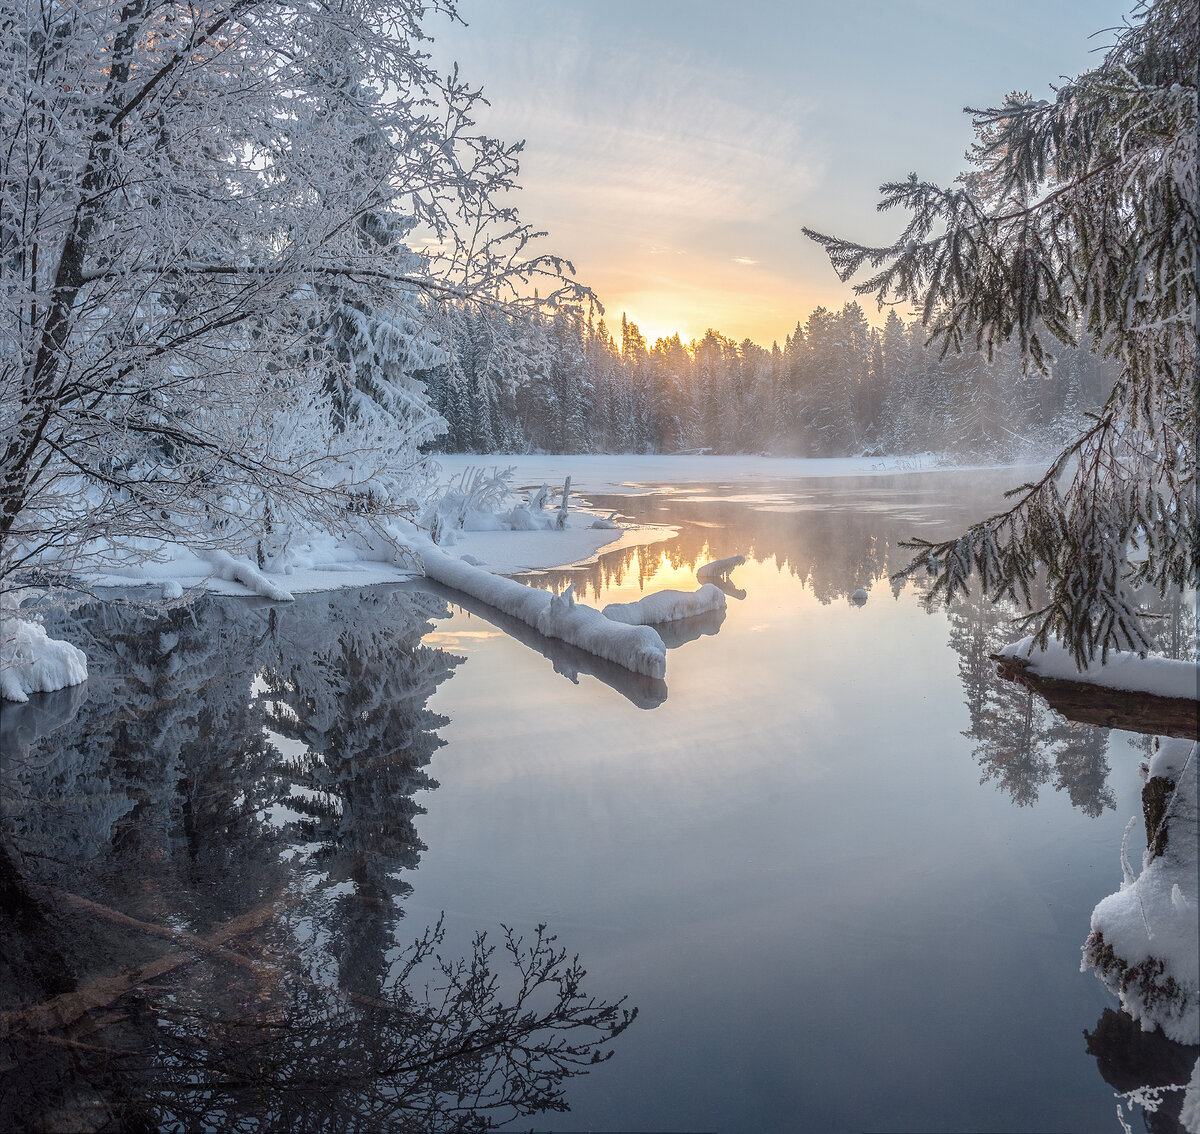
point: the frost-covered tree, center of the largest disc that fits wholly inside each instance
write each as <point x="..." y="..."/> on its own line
<point x="203" y="216"/>
<point x="1083" y="209"/>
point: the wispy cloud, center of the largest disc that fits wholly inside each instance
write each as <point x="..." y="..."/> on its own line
<point x="744" y="260"/>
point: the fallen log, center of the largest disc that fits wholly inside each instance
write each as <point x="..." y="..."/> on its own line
<point x="1088" y="703"/>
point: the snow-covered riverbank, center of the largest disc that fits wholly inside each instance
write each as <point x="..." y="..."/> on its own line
<point x="633" y="473"/>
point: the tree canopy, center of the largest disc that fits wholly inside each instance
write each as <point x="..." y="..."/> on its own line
<point x="1079" y="212"/>
<point x="218" y="222"/>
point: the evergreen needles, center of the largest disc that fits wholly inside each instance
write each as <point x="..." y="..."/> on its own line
<point x="1079" y="212"/>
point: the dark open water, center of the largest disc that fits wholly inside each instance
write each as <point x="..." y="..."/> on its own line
<point x="842" y="870"/>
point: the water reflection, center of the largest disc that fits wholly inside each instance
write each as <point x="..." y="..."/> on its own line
<point x="847" y="537"/>
<point x="204" y="851"/>
<point x="1130" y="1059"/>
<point x="1021" y="744"/>
<point x="568" y="661"/>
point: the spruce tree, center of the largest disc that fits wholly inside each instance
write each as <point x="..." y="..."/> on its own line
<point x="1080" y="209"/>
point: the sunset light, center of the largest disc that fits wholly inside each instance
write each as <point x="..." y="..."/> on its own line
<point x="613" y="566"/>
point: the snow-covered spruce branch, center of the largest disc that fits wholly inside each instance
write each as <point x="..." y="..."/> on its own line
<point x="1078" y="212"/>
<point x="1075" y="541"/>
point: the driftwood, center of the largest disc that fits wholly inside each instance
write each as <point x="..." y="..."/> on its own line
<point x="1092" y="704"/>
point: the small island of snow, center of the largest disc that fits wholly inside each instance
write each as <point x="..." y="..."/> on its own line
<point x="33" y="662"/>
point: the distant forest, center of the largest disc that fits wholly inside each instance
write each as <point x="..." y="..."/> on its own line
<point x="837" y="387"/>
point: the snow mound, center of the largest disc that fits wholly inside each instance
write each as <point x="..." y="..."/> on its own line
<point x="33" y="662"/>
<point x="667" y="606"/>
<point x="1163" y="677"/>
<point x="637" y="648"/>
<point x="859" y="597"/>
<point x="719" y="568"/>
<point x="238" y="571"/>
<point x="1144" y="942"/>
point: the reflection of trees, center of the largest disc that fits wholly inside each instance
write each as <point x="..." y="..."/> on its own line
<point x="1132" y="1060"/>
<point x="186" y="952"/>
<point x="833" y="543"/>
<point x="350" y="685"/>
<point x="1020" y="743"/>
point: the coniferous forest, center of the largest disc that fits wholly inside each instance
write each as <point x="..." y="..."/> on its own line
<point x="838" y="386"/>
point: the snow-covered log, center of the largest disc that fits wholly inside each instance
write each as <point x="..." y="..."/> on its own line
<point x="1144" y="944"/>
<point x="1152" y="695"/>
<point x="239" y="571"/>
<point x="719" y="568"/>
<point x="637" y="648"/>
<point x="568" y="660"/>
<point x="33" y="662"/>
<point x="667" y="606"/>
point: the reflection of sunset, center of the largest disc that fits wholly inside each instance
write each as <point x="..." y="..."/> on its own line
<point x="656" y="574"/>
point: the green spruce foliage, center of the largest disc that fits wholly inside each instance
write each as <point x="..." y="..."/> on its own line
<point x="1076" y="212"/>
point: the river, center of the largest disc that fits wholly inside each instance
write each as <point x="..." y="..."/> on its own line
<point x="841" y="869"/>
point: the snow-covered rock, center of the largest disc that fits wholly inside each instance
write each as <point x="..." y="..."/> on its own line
<point x="33" y="662"/>
<point x="859" y="597"/>
<point x="1163" y="677"/>
<point x="666" y="606"/>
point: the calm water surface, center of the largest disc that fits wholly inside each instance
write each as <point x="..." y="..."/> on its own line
<point x="843" y="871"/>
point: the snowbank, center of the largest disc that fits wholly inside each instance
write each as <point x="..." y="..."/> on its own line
<point x="1144" y="943"/>
<point x="33" y="662"/>
<point x="666" y="606"/>
<point x="637" y="648"/>
<point x="1163" y="677"/>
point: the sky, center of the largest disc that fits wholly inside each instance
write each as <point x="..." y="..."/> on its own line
<point x="675" y="148"/>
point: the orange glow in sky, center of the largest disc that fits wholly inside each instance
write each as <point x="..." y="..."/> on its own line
<point x="675" y="149"/>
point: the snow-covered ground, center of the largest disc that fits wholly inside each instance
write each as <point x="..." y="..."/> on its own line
<point x="629" y="474"/>
<point x="1163" y="677"/>
<point x="327" y="565"/>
